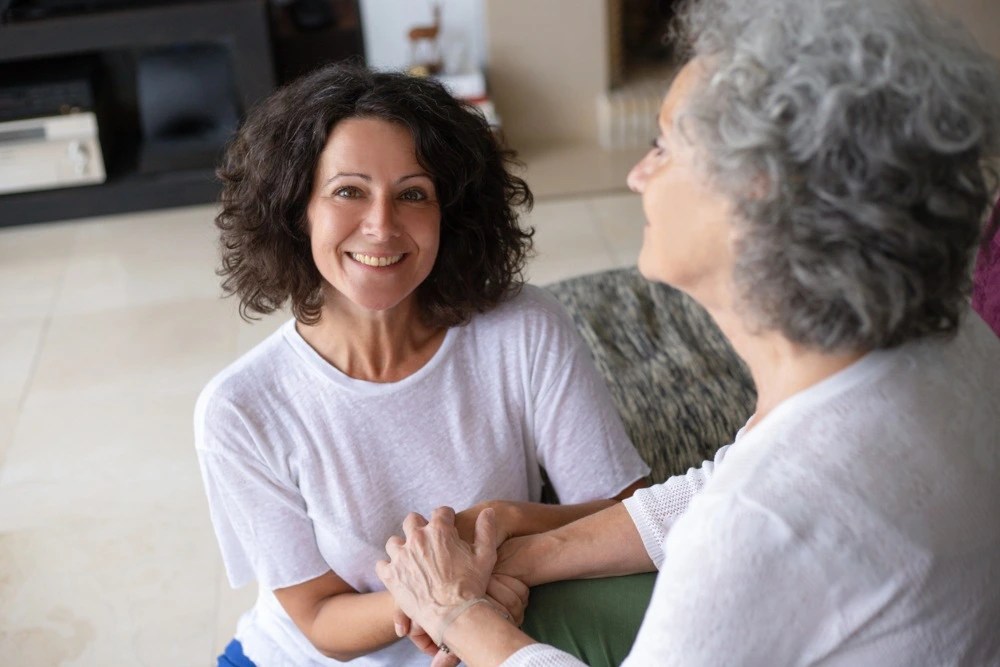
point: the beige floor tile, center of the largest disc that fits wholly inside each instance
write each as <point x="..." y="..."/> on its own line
<point x="174" y="345"/>
<point x="32" y="262"/>
<point x="621" y="221"/>
<point x="10" y="412"/>
<point x="567" y="242"/>
<point x="138" y="260"/>
<point x="19" y="344"/>
<point x="101" y="455"/>
<point x="104" y="593"/>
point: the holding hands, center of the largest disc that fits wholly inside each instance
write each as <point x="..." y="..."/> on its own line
<point x="434" y="576"/>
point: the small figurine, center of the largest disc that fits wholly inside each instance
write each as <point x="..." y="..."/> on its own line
<point x="425" y="52"/>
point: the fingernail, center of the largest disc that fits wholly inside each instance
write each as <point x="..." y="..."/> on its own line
<point x="399" y="630"/>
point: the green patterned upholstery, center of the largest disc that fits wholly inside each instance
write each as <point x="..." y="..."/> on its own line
<point x="680" y="388"/>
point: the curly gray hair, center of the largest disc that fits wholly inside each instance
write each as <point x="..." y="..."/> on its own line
<point x="851" y="137"/>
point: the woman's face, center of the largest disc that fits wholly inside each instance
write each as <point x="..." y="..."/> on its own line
<point x="686" y="241"/>
<point x="374" y="219"/>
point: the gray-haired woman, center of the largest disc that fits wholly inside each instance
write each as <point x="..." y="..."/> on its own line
<point x="818" y="185"/>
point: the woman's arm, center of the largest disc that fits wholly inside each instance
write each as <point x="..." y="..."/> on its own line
<point x="514" y="519"/>
<point x="435" y="576"/>
<point x="344" y="624"/>
<point x="340" y="622"/>
<point x="604" y="544"/>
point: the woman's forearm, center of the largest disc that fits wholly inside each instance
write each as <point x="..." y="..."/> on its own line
<point x="604" y="544"/>
<point x="515" y="518"/>
<point x="482" y="638"/>
<point x="347" y="625"/>
<point x="356" y="624"/>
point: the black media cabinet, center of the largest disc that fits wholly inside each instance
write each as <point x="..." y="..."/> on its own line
<point x="112" y="42"/>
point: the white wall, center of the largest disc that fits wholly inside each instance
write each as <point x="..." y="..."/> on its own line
<point x="387" y="22"/>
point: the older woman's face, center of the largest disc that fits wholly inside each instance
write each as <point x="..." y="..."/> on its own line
<point x="374" y="219"/>
<point x="686" y="241"/>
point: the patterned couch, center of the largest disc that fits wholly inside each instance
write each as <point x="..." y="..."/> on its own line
<point x="679" y="386"/>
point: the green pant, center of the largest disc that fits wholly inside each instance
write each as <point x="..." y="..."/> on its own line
<point x="594" y="619"/>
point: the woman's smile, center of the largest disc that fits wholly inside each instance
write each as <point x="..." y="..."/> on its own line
<point x="376" y="261"/>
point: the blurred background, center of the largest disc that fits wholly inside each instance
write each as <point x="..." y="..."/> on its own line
<point x="113" y="114"/>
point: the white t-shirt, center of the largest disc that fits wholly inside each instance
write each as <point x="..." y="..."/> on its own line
<point x="308" y="470"/>
<point x="855" y="525"/>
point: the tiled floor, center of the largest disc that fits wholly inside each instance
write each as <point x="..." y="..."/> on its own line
<point x="108" y="329"/>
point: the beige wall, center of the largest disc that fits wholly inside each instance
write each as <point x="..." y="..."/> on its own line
<point x="981" y="17"/>
<point x="547" y="65"/>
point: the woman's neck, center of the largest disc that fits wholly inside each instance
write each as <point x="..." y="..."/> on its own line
<point x="779" y="367"/>
<point x="377" y="346"/>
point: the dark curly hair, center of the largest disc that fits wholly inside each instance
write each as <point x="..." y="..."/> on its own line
<point x="267" y="176"/>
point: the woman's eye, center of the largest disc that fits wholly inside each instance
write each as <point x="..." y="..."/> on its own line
<point x="657" y="147"/>
<point x="347" y="192"/>
<point x="413" y="194"/>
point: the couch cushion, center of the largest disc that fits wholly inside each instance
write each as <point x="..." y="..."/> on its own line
<point x="680" y="388"/>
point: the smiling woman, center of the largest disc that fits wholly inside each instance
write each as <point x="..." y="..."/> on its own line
<point x="418" y="369"/>
<point x="374" y="218"/>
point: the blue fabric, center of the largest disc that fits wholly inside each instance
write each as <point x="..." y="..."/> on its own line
<point x="233" y="656"/>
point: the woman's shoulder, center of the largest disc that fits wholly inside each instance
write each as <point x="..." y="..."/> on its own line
<point x="242" y="387"/>
<point x="530" y="308"/>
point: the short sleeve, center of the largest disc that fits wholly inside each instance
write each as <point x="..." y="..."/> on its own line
<point x="579" y="435"/>
<point x="734" y="565"/>
<point x="655" y="509"/>
<point x="540" y="655"/>
<point x="260" y="520"/>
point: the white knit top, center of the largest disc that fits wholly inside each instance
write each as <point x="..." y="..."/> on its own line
<point x="856" y="524"/>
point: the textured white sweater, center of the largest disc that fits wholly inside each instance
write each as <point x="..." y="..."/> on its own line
<point x="857" y="524"/>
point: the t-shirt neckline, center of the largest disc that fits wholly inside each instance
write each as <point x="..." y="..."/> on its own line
<point x="336" y="376"/>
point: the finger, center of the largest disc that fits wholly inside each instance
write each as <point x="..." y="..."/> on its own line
<point x="442" y="659"/>
<point x="444" y="514"/>
<point x="393" y="545"/>
<point x="412" y="522"/>
<point x="505" y="599"/>
<point x="383" y="570"/>
<point x="518" y="587"/>
<point x="513" y="614"/>
<point x="485" y="544"/>
<point x="401" y="622"/>
<point x="423" y="641"/>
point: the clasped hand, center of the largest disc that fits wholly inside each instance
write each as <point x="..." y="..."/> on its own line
<point x="433" y="572"/>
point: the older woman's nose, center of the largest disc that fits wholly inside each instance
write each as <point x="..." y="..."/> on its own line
<point x="639" y="175"/>
<point x="380" y="222"/>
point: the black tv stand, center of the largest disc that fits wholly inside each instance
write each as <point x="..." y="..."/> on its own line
<point x="239" y="26"/>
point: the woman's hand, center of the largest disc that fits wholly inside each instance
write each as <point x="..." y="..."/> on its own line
<point x="505" y="593"/>
<point x="434" y="572"/>
<point x="465" y="521"/>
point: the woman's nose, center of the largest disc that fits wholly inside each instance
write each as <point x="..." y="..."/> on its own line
<point x="380" y="221"/>
<point x="639" y="174"/>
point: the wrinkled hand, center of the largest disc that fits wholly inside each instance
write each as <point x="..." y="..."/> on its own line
<point x="433" y="571"/>
<point x="423" y="641"/>
<point x="505" y="593"/>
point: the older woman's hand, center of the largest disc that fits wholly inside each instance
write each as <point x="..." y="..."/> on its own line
<point x="503" y="592"/>
<point x="434" y="573"/>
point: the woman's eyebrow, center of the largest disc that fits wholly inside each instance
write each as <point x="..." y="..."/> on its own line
<point x="344" y="174"/>
<point x="366" y="178"/>
<point x="409" y="176"/>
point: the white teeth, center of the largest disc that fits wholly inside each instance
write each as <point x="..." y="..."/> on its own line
<point x="369" y="260"/>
